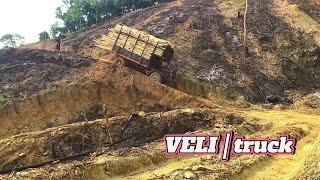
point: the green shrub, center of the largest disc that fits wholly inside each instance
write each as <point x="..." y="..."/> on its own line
<point x="2" y="100"/>
<point x="2" y="68"/>
<point x="239" y="1"/>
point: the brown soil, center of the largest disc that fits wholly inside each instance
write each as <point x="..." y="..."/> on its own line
<point x="24" y="72"/>
<point x="207" y="36"/>
<point x="104" y="90"/>
<point x="70" y="140"/>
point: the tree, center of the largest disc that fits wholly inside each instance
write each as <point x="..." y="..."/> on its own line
<point x="44" y="36"/>
<point x="77" y="14"/>
<point x="59" y="13"/>
<point x="56" y="29"/>
<point x="12" y="40"/>
<point x="96" y="4"/>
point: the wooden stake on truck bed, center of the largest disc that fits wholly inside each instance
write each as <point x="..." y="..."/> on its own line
<point x="132" y="41"/>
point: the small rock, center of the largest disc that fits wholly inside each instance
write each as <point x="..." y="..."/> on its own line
<point x="274" y="99"/>
<point x="313" y="100"/>
<point x="268" y="106"/>
<point x="279" y="107"/>
<point x="218" y="125"/>
<point x="142" y="114"/>
<point x="56" y="162"/>
<point x="189" y="112"/>
<point x="6" y="87"/>
<point x="189" y="175"/>
<point x="175" y="174"/>
<point x="208" y="157"/>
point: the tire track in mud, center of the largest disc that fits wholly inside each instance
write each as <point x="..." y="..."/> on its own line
<point x="207" y="167"/>
<point x="150" y="161"/>
<point x="287" y="167"/>
<point x="34" y="149"/>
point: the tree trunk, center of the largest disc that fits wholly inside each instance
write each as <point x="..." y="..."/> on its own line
<point x="122" y="7"/>
<point x="97" y="16"/>
<point x="245" y="24"/>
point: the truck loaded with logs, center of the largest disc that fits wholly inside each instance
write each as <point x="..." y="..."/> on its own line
<point x="141" y="51"/>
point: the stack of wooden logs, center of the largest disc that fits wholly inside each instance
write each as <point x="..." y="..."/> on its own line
<point x="132" y="40"/>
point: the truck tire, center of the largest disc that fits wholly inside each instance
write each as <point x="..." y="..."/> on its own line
<point x="120" y="61"/>
<point x="156" y="77"/>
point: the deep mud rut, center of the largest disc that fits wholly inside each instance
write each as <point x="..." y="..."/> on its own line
<point x="149" y="161"/>
<point x="304" y="125"/>
<point x="288" y="167"/>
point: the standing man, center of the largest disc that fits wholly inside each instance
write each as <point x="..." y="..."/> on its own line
<point x="58" y="41"/>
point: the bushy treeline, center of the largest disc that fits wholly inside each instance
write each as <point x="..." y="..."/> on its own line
<point x="78" y="14"/>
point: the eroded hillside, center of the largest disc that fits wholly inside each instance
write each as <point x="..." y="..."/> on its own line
<point x="283" y="43"/>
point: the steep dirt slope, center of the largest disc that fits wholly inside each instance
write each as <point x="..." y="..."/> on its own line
<point x="283" y="53"/>
<point x="24" y="72"/>
<point x="103" y="90"/>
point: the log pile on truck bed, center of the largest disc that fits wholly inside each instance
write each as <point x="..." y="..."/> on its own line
<point x="128" y="41"/>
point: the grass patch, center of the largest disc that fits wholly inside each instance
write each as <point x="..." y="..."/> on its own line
<point x="2" y="67"/>
<point x="239" y="1"/>
<point x="3" y="100"/>
<point x="55" y="87"/>
<point x="235" y="1"/>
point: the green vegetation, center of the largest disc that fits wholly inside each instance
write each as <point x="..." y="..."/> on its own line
<point x="3" y="100"/>
<point x="239" y="1"/>
<point x="78" y="14"/>
<point x="44" y="36"/>
<point x="55" y="29"/>
<point x="2" y="68"/>
<point x="55" y="87"/>
<point x="12" y="40"/>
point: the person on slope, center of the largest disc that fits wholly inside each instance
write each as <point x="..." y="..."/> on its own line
<point x="58" y="41"/>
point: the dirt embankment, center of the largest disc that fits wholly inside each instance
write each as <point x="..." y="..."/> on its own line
<point x="109" y="137"/>
<point x="76" y="139"/>
<point x="104" y="90"/>
<point x="131" y="158"/>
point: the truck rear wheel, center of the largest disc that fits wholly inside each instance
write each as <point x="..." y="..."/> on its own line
<point x="156" y="76"/>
